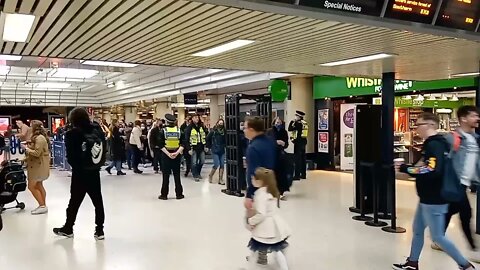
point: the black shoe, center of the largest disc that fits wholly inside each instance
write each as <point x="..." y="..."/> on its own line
<point x="138" y="171"/>
<point x="99" y="234"/>
<point x="163" y="198"/>
<point x="121" y="173"/>
<point x="63" y="232"/>
<point x="296" y="178"/>
<point x="180" y="197"/>
<point x="109" y="171"/>
<point x="408" y="265"/>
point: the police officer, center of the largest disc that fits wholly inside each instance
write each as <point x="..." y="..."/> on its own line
<point x="299" y="134"/>
<point x="171" y="144"/>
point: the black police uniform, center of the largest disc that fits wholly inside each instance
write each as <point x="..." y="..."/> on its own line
<point x="297" y="130"/>
<point x="171" y="138"/>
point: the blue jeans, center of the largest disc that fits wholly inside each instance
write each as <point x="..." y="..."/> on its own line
<point x="130" y="158"/>
<point x="218" y="161"/>
<point x="117" y="164"/>
<point x="433" y="217"/>
<point x="198" y="159"/>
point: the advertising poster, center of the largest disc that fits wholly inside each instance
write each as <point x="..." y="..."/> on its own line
<point x="323" y="142"/>
<point x="347" y="123"/>
<point x="323" y="119"/>
<point x="4" y="124"/>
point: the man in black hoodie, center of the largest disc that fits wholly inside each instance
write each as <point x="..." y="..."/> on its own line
<point x="432" y="208"/>
<point x="85" y="178"/>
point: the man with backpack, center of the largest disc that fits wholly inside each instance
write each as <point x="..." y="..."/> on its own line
<point x="464" y="143"/>
<point x="433" y="207"/>
<point x="86" y="153"/>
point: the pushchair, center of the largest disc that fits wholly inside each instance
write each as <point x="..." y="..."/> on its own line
<point x="12" y="181"/>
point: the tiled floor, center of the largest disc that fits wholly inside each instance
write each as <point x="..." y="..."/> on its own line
<point x="205" y="231"/>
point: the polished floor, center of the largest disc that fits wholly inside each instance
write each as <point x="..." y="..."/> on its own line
<point x="205" y="231"/>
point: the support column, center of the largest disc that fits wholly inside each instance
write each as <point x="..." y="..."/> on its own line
<point x="180" y="111"/>
<point x="161" y="109"/>
<point x="215" y="112"/>
<point x="130" y="114"/>
<point x="388" y="108"/>
<point x="301" y="98"/>
<point x="477" y="103"/>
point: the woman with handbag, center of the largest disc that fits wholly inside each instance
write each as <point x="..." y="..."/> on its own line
<point x="37" y="153"/>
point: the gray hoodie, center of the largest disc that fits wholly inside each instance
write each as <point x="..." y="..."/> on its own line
<point x="466" y="161"/>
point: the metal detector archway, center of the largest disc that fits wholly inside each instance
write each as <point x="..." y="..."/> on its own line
<point x="236" y="180"/>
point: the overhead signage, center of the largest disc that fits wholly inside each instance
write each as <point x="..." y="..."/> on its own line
<point x="367" y="7"/>
<point x="422" y="11"/>
<point x="333" y="87"/>
<point x="461" y="14"/>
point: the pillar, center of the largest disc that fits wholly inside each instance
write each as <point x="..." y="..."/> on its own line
<point x="130" y="114"/>
<point x="180" y="111"/>
<point x="215" y="112"/>
<point x="301" y="98"/>
<point x="161" y="109"/>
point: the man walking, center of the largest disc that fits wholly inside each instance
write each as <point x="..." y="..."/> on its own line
<point x="137" y="146"/>
<point x="299" y="134"/>
<point x="432" y="208"/>
<point x="465" y="157"/>
<point x="196" y="135"/>
<point x="171" y="144"/>
<point x="187" y="159"/>
<point x="154" y="142"/>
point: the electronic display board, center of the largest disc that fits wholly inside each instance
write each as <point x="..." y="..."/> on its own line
<point x="460" y="14"/>
<point x="422" y="11"/>
<point x="366" y="7"/>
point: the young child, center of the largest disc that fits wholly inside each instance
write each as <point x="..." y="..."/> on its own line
<point x="269" y="230"/>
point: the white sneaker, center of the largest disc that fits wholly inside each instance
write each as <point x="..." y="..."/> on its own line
<point x="40" y="210"/>
<point x="474" y="256"/>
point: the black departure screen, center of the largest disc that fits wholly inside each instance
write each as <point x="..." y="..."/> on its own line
<point x="421" y="11"/>
<point x="366" y="7"/>
<point x="461" y="14"/>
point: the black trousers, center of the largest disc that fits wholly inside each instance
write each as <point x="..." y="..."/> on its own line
<point x="300" y="160"/>
<point x="171" y="166"/>
<point x="188" y="161"/>
<point x="465" y="210"/>
<point x="85" y="182"/>
<point x="137" y="156"/>
<point x="157" y="159"/>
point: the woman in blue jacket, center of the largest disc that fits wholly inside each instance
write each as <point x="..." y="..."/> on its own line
<point x="216" y="141"/>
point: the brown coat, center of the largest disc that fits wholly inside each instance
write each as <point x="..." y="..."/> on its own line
<point x="38" y="159"/>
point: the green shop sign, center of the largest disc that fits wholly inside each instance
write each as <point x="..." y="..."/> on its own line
<point x="401" y="102"/>
<point x="333" y="87"/>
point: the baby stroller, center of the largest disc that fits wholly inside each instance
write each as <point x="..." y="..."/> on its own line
<point x="12" y="181"/>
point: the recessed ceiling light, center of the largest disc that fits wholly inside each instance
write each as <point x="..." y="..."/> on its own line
<point x="466" y="74"/>
<point x="52" y="85"/>
<point x="10" y="57"/>
<point x="110" y="84"/>
<point x="225" y="47"/>
<point x="17" y="27"/>
<point x="358" y="59"/>
<point x="108" y="64"/>
<point x="444" y="97"/>
<point x="73" y="73"/>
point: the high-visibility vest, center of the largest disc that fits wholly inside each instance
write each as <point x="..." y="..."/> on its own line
<point x="172" y="138"/>
<point x="196" y="137"/>
<point x="304" y="134"/>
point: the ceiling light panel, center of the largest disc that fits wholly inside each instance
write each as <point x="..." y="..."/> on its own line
<point x="358" y="60"/>
<point x="108" y="64"/>
<point x="225" y="47"/>
<point x="16" y="27"/>
<point x="10" y="57"/>
<point x="466" y="74"/>
<point x="73" y="73"/>
<point x="52" y="85"/>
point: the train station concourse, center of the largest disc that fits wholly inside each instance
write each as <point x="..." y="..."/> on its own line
<point x="288" y="122"/>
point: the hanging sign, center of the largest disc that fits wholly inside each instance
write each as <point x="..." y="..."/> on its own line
<point x="347" y="114"/>
<point x="279" y="90"/>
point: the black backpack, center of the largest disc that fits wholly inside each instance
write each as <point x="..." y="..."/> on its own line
<point x="94" y="148"/>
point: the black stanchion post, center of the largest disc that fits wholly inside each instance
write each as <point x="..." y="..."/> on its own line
<point x="376" y="195"/>
<point x="388" y="107"/>
<point x="362" y="216"/>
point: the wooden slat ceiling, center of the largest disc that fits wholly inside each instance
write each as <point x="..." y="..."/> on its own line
<point x="168" y="32"/>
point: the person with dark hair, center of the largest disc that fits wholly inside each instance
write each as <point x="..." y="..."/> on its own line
<point x="465" y="157"/>
<point x="432" y="209"/>
<point x="196" y="136"/>
<point x="216" y="141"/>
<point x="85" y="147"/>
<point x="37" y="154"/>
<point x="187" y="158"/>
<point x="117" y="149"/>
<point x="128" y="147"/>
<point x="283" y="167"/>
<point x="137" y="146"/>
<point x="299" y="135"/>
<point x="154" y="144"/>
